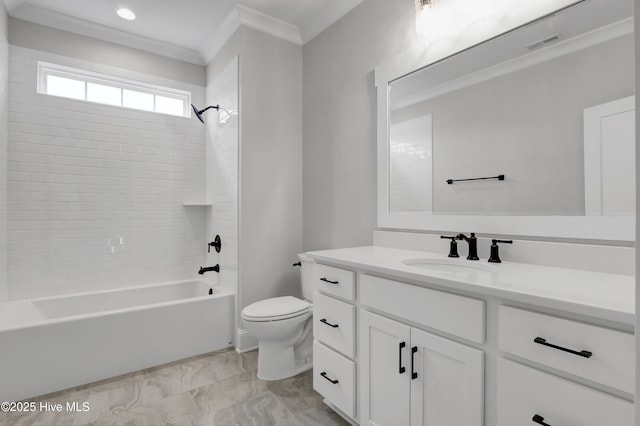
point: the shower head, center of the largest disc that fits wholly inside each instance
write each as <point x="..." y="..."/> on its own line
<point x="199" y="112"/>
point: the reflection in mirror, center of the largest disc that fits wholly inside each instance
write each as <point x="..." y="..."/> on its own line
<point x="549" y="105"/>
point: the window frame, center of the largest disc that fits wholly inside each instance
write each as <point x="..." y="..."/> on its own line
<point x="46" y="69"/>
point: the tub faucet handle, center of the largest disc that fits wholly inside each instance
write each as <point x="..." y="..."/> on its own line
<point x="216" y="244"/>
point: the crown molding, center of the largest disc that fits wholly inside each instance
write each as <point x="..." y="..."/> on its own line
<point x="240" y="15"/>
<point x="218" y="37"/>
<point x="268" y="24"/>
<point x="49" y="18"/>
<point x="237" y="16"/>
<point x="330" y="14"/>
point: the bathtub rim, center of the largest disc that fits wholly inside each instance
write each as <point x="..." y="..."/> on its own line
<point x="217" y="294"/>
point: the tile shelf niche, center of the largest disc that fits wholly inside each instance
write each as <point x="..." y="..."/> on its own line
<point x="197" y="204"/>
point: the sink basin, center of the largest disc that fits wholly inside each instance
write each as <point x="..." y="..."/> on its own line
<point x="457" y="267"/>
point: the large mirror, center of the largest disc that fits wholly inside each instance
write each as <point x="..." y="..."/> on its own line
<point x="530" y="133"/>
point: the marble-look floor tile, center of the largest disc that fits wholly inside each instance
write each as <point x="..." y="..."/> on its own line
<point x="321" y="414"/>
<point x="234" y="390"/>
<point x="178" y="409"/>
<point x="261" y="410"/>
<point x="296" y="393"/>
<point x="220" y="389"/>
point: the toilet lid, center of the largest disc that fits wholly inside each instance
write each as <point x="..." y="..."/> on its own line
<point x="285" y="306"/>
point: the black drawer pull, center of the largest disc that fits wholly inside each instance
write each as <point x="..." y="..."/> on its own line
<point x="324" y="321"/>
<point x="329" y="281"/>
<point x="401" y="368"/>
<point x="540" y="420"/>
<point x="414" y="375"/>
<point x="324" y="374"/>
<point x="541" y="341"/>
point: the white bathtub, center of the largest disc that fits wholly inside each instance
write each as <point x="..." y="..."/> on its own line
<point x="54" y="343"/>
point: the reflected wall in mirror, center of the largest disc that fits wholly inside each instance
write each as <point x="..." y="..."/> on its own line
<point x="549" y="105"/>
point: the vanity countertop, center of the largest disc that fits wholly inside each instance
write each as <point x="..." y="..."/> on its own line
<point x="594" y="294"/>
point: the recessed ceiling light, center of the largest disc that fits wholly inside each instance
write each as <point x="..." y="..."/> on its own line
<point x="125" y="13"/>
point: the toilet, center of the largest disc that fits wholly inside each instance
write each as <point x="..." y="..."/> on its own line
<point x="283" y="327"/>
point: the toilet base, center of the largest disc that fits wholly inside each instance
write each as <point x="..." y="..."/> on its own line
<point x="277" y="363"/>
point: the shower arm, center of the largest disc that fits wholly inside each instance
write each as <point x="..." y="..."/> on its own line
<point x="216" y="107"/>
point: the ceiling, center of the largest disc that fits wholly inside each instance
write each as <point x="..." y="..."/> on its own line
<point x="194" y="28"/>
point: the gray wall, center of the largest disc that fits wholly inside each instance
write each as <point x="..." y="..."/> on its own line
<point x="340" y="120"/>
<point x="637" y="70"/>
<point x="39" y="37"/>
<point x="270" y="162"/>
<point x="528" y="125"/>
<point x="4" y="144"/>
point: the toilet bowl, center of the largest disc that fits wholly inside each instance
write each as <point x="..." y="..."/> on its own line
<point x="283" y="327"/>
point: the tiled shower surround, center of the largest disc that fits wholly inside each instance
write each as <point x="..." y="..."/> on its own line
<point x="221" y="147"/>
<point x="95" y="192"/>
<point x="4" y="144"/>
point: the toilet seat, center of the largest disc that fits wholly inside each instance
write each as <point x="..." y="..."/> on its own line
<point x="276" y="309"/>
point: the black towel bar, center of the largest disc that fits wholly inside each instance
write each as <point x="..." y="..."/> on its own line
<point x="499" y="177"/>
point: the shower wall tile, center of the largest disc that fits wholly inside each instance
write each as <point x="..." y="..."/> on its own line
<point x="95" y="193"/>
<point x="4" y="144"/>
<point x="222" y="142"/>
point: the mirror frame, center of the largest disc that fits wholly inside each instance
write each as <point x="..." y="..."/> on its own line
<point x="616" y="229"/>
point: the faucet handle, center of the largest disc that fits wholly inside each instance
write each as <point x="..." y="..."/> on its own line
<point x="453" y="247"/>
<point x="495" y="255"/>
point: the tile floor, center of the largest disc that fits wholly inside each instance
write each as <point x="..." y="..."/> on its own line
<point x="220" y="388"/>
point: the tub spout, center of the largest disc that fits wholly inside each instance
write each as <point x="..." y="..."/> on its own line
<point x="209" y="269"/>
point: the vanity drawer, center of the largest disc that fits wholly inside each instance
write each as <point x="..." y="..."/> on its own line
<point x="334" y="378"/>
<point x="335" y="281"/>
<point x="612" y="352"/>
<point x="524" y="392"/>
<point x="457" y="315"/>
<point x="334" y="323"/>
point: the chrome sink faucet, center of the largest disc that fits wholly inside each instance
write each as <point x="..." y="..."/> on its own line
<point x="473" y="245"/>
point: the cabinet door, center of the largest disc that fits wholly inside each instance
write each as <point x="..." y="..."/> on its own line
<point x="384" y="371"/>
<point x="447" y="389"/>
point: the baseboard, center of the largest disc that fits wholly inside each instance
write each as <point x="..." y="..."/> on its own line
<point x="245" y="342"/>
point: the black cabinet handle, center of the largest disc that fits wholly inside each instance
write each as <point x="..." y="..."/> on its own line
<point x="329" y="281"/>
<point x="540" y="420"/>
<point x="414" y="375"/>
<point x="541" y="341"/>
<point x="401" y="368"/>
<point x="324" y="321"/>
<point x="324" y="374"/>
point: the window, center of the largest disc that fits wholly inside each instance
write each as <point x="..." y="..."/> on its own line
<point x="72" y="83"/>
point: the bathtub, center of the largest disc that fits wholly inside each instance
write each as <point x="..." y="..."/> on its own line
<point x="54" y="343"/>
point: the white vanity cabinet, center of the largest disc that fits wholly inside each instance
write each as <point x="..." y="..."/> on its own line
<point x="526" y="345"/>
<point x="334" y="370"/>
<point x="411" y="377"/>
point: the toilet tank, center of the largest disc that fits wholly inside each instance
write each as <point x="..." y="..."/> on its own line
<point x="306" y="276"/>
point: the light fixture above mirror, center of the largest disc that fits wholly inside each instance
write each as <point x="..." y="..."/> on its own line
<point x="421" y="5"/>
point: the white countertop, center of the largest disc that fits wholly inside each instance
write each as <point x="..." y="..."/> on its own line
<point x="594" y="294"/>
